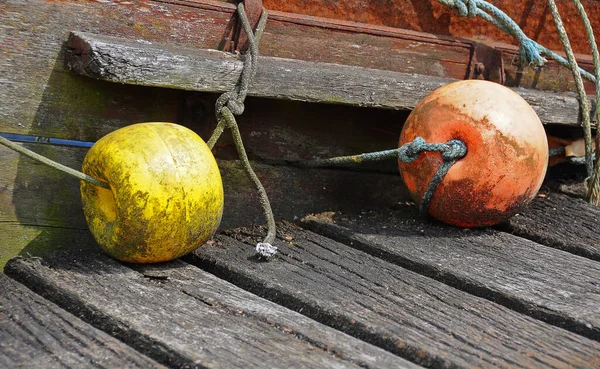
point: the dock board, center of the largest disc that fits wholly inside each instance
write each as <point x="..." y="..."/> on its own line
<point x="404" y="312"/>
<point x="561" y="221"/>
<point x="35" y="333"/>
<point x="184" y="317"/>
<point x="137" y="62"/>
<point x="546" y="283"/>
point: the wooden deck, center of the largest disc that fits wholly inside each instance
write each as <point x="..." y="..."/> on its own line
<point x="375" y="289"/>
<point x="360" y="280"/>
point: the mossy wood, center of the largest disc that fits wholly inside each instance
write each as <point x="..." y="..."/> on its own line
<point x="41" y="97"/>
<point x="185" y="317"/>
<point x="38" y="332"/>
<point x="402" y="311"/>
<point x="139" y="63"/>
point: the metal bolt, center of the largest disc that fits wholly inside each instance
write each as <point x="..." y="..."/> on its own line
<point x="479" y="68"/>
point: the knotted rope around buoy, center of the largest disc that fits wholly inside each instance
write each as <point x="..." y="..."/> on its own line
<point x="451" y="152"/>
<point x="530" y="53"/>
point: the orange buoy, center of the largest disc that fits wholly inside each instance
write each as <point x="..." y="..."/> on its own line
<point x="506" y="160"/>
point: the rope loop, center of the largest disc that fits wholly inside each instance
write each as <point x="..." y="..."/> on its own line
<point x="455" y="150"/>
<point x="230" y="100"/>
<point x="466" y="10"/>
<point x="410" y="151"/>
<point x="451" y="150"/>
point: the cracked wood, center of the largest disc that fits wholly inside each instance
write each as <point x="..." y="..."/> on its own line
<point x="562" y="222"/>
<point x="35" y="333"/>
<point x="548" y="284"/>
<point x="416" y="317"/>
<point x="185" y="317"/>
<point x="159" y="65"/>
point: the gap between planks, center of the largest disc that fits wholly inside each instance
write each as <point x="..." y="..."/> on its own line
<point x="184" y="317"/>
<point x="549" y="284"/>
<point x="35" y="333"/>
<point x="404" y="312"/>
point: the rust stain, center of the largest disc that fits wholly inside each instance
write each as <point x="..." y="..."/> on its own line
<point x="429" y="16"/>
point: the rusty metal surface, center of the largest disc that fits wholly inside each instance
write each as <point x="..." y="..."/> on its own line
<point x="341" y="40"/>
<point x="430" y="16"/>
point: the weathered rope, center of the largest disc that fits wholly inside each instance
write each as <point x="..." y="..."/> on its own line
<point x="585" y="104"/>
<point x="230" y="104"/>
<point x="530" y="52"/>
<point x="451" y="152"/>
<point x="44" y="160"/>
<point x="593" y="183"/>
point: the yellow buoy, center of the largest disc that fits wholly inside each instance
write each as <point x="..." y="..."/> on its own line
<point x="165" y="197"/>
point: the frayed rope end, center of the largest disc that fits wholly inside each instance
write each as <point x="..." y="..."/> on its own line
<point x="530" y="54"/>
<point x="265" y="250"/>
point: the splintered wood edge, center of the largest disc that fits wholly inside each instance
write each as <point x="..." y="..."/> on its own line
<point x="140" y="62"/>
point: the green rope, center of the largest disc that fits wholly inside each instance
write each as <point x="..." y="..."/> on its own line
<point x="530" y="52"/>
<point x="234" y="99"/>
<point x="451" y="152"/>
<point x="594" y="181"/>
<point x="231" y="103"/>
<point x="585" y="104"/>
<point x="44" y="160"/>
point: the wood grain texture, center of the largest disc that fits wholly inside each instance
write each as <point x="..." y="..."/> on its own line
<point x="133" y="62"/>
<point x="406" y="313"/>
<point x="41" y="97"/>
<point x="35" y="333"/>
<point x="185" y="317"/>
<point x="548" y="284"/>
<point x="561" y="221"/>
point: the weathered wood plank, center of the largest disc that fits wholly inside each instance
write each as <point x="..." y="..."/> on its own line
<point x="548" y="284"/>
<point x="132" y="62"/>
<point x="561" y="221"/>
<point x="41" y="97"/>
<point x="406" y="313"/>
<point x="431" y="16"/>
<point x="185" y="317"/>
<point x="35" y="333"/>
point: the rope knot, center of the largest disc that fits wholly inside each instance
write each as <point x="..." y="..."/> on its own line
<point x="232" y="101"/>
<point x="466" y="10"/>
<point x="410" y="151"/>
<point x="455" y="149"/>
<point x="530" y="53"/>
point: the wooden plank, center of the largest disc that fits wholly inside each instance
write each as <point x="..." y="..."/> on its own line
<point x="437" y="19"/>
<point x="131" y="62"/>
<point x="41" y="97"/>
<point x="560" y="221"/>
<point x="35" y="333"/>
<point x="548" y="284"/>
<point x="406" y="313"/>
<point x="189" y="318"/>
